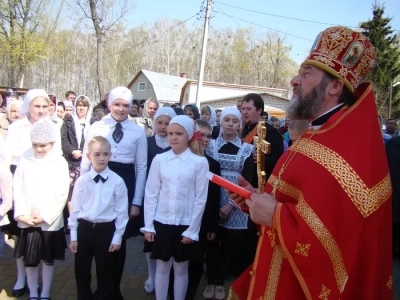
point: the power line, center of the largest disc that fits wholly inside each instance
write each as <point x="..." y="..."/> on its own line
<point x="284" y="17"/>
<point x="296" y="36"/>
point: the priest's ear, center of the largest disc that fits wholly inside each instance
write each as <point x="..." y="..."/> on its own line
<point x="335" y="88"/>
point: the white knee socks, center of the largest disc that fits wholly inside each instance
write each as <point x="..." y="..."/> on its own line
<point x="47" y="278"/>
<point x="21" y="274"/>
<point x="32" y="275"/>
<point x="151" y="266"/>
<point x="181" y="279"/>
<point x="163" y="269"/>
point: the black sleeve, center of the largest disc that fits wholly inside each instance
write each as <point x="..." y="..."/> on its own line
<point x="248" y="169"/>
<point x="276" y="141"/>
<point x="66" y="146"/>
<point x="213" y="200"/>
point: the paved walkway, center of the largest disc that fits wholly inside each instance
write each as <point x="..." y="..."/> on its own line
<point x="64" y="287"/>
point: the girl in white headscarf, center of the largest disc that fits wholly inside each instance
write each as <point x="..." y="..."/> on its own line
<point x="209" y="115"/>
<point x="34" y="108"/>
<point x="175" y="198"/>
<point x="156" y="144"/>
<point x="235" y="158"/>
<point x="53" y="105"/>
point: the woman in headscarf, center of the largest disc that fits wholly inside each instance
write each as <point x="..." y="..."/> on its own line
<point x="13" y="114"/>
<point x="192" y="111"/>
<point x="146" y="121"/>
<point x="34" y="108"/>
<point x="209" y="115"/>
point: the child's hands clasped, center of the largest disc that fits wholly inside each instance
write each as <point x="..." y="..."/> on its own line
<point x="187" y="240"/>
<point x="38" y="220"/>
<point x="114" y="247"/>
<point x="27" y="220"/>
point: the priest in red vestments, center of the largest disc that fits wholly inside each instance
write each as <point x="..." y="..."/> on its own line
<point x="325" y="217"/>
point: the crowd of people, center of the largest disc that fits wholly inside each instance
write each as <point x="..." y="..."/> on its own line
<point x="103" y="174"/>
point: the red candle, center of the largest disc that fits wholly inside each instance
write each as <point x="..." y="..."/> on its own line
<point x="229" y="185"/>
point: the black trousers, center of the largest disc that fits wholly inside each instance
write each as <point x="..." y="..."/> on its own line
<point x="94" y="242"/>
<point x="230" y="253"/>
<point x="195" y="272"/>
<point x="127" y="173"/>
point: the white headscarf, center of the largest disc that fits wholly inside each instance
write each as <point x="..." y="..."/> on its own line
<point x="231" y="110"/>
<point x="213" y="116"/>
<point x="30" y="95"/>
<point x="120" y="92"/>
<point x="186" y="122"/>
<point x="165" y="111"/>
<point x="68" y="103"/>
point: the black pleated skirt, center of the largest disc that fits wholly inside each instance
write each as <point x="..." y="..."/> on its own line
<point x="168" y="243"/>
<point x="36" y="245"/>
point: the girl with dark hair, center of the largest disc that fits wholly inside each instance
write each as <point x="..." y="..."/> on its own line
<point x="192" y="111"/>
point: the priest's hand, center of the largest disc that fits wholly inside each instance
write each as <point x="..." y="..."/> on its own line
<point x="239" y="200"/>
<point x="225" y="211"/>
<point x="134" y="211"/>
<point x="262" y="208"/>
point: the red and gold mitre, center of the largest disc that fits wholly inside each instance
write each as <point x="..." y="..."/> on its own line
<point x="344" y="53"/>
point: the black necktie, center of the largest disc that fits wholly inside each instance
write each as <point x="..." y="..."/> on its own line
<point x="98" y="177"/>
<point x="118" y="134"/>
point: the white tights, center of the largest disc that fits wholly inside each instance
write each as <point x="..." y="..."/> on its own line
<point x="151" y="267"/>
<point x="181" y="279"/>
<point x="47" y="278"/>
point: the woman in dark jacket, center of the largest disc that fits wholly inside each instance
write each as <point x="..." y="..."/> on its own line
<point x="73" y="132"/>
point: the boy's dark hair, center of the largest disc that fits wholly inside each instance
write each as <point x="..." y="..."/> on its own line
<point x="136" y="102"/>
<point x="179" y="111"/>
<point x="258" y="101"/>
<point x="203" y="124"/>
<point x="69" y="93"/>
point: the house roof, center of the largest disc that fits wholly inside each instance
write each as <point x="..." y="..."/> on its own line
<point x="241" y="94"/>
<point x="230" y="90"/>
<point x="166" y="87"/>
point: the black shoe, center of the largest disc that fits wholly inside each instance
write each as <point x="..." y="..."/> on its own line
<point x="18" y="293"/>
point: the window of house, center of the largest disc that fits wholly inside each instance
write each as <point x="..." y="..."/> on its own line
<point x="142" y="86"/>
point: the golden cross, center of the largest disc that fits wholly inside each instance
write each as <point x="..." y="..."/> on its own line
<point x="263" y="147"/>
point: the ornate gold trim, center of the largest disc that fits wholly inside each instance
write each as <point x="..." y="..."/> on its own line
<point x="320" y="231"/>
<point x="286" y="253"/>
<point x="232" y="295"/>
<point x="324" y="295"/>
<point x="390" y="282"/>
<point x="367" y="200"/>
<point x="274" y="273"/>
<point x="255" y="263"/>
<point x="302" y="249"/>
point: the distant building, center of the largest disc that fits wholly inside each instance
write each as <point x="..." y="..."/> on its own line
<point x="162" y="87"/>
<point x="220" y="95"/>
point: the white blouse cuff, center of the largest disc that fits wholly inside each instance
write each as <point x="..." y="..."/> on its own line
<point x="147" y="229"/>
<point x="191" y="235"/>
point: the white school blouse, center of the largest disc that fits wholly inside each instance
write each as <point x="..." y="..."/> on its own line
<point x="6" y="193"/>
<point x="41" y="186"/>
<point x="176" y="192"/>
<point x="18" y="140"/>
<point x="132" y="149"/>
<point x="100" y="202"/>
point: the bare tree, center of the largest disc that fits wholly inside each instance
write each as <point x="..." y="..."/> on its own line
<point x="105" y="16"/>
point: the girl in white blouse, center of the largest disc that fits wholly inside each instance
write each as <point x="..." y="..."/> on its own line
<point x="41" y="183"/>
<point x="175" y="198"/>
<point x="34" y="108"/>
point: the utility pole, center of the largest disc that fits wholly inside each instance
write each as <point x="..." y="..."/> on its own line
<point x="203" y="54"/>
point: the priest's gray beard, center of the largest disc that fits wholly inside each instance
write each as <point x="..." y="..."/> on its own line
<point x="306" y="107"/>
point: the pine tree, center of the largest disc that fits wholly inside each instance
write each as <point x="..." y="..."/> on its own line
<point x="387" y="70"/>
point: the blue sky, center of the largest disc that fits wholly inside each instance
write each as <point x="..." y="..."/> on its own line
<point x="342" y="12"/>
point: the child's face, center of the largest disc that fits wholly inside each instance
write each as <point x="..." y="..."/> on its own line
<point x="42" y="149"/>
<point x="99" y="155"/>
<point x="162" y="123"/>
<point x="177" y="138"/>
